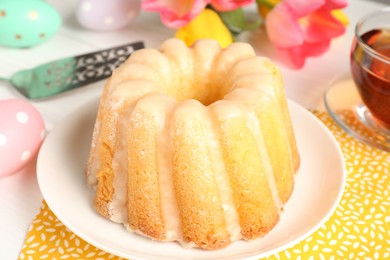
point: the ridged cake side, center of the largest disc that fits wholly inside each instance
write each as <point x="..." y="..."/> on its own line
<point x="194" y="145"/>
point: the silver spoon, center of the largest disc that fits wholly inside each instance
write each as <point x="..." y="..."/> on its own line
<point x="65" y="74"/>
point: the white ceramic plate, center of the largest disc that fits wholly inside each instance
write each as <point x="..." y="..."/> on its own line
<point x="60" y="169"/>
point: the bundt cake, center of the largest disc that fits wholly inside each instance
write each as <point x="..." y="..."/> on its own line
<point x="194" y="144"/>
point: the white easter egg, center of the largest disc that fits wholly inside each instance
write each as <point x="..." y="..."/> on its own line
<point x="103" y="15"/>
<point x="22" y="131"/>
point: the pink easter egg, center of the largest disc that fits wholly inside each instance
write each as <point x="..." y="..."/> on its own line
<point x="21" y="134"/>
<point x="103" y="15"/>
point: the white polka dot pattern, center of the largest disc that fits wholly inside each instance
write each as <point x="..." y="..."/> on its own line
<point x="359" y="228"/>
<point x="21" y="128"/>
<point x="103" y="15"/>
<point x="22" y="117"/>
<point x="86" y="6"/>
<point x="33" y="15"/>
<point x="3" y="139"/>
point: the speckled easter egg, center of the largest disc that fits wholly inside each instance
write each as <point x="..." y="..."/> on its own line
<point x="21" y="134"/>
<point x="103" y="15"/>
<point x="27" y="23"/>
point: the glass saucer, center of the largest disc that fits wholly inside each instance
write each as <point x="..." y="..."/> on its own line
<point x="343" y="103"/>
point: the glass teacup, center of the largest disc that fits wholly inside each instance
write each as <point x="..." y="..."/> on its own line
<point x="370" y="64"/>
<point x="368" y="116"/>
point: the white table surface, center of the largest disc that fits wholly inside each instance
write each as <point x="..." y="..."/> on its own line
<point x="20" y="197"/>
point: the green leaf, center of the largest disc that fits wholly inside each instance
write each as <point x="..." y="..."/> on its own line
<point x="236" y="21"/>
<point x="265" y="3"/>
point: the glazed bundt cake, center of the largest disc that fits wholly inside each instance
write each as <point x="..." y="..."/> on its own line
<point x="194" y="144"/>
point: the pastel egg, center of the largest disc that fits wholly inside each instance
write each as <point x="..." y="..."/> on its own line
<point x="103" y="15"/>
<point x="21" y="134"/>
<point x="27" y="23"/>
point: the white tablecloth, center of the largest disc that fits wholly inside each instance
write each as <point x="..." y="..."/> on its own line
<point x="20" y="197"/>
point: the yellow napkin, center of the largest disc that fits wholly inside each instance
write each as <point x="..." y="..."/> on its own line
<point x="359" y="228"/>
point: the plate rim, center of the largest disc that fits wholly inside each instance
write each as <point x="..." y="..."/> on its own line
<point x="94" y="103"/>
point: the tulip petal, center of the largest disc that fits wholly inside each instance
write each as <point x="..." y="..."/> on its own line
<point x="295" y="57"/>
<point x="322" y="26"/>
<point x="175" y="13"/>
<point x="301" y="8"/>
<point x="314" y="49"/>
<point x="207" y="25"/>
<point x="228" y="5"/>
<point x="177" y="6"/>
<point x="283" y="28"/>
<point x="300" y="29"/>
<point x="292" y="58"/>
<point x="334" y="4"/>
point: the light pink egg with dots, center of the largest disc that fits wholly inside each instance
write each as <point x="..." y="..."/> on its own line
<point x="22" y="131"/>
<point x="105" y="15"/>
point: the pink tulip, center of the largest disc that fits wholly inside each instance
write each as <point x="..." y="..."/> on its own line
<point x="228" y="5"/>
<point x="177" y="13"/>
<point x="300" y="29"/>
